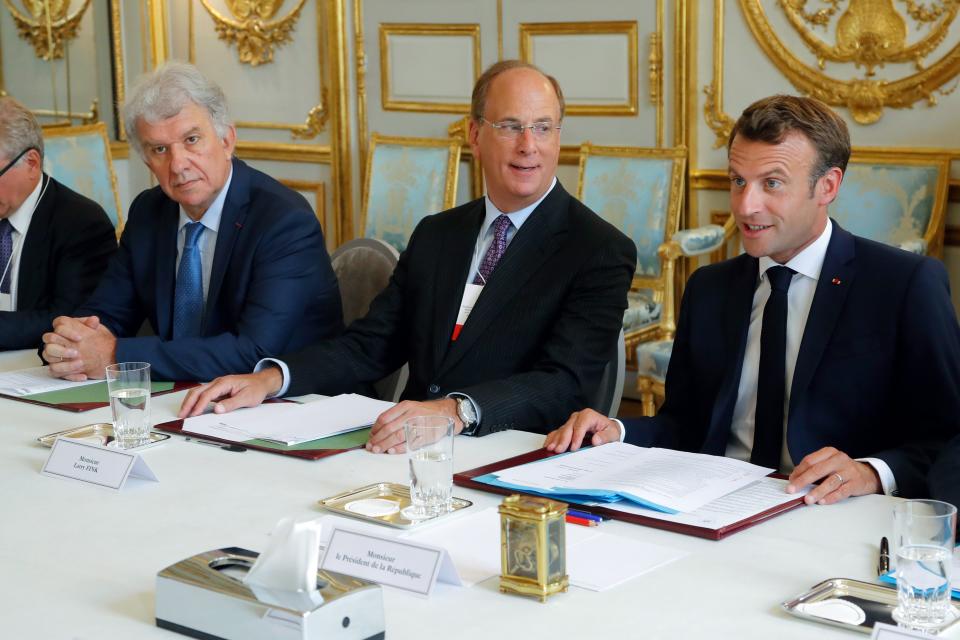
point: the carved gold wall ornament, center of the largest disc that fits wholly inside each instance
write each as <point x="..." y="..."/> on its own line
<point x="253" y="28"/>
<point x="869" y="34"/>
<point x="316" y="121"/>
<point x="47" y="24"/>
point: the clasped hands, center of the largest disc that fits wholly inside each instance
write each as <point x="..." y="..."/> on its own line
<point x="79" y="348"/>
<point x="839" y="476"/>
<point x="248" y="390"/>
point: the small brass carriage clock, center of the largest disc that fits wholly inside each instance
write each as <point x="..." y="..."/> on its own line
<point x="533" y="547"/>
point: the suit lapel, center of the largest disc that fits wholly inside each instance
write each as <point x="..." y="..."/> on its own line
<point x="166" y="267"/>
<point x="533" y="242"/>
<point x="232" y="217"/>
<point x="452" y="267"/>
<point x="736" y="322"/>
<point x="35" y="246"/>
<point x="836" y="278"/>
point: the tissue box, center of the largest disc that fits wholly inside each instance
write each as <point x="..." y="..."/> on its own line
<point x="204" y="597"/>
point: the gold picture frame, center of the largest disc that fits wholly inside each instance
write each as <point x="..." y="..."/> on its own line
<point x="628" y="28"/>
<point x="423" y="29"/>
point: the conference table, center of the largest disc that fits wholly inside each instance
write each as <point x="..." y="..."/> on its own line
<point x="80" y="562"/>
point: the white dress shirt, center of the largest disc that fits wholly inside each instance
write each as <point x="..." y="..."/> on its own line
<point x="484" y="240"/>
<point x="20" y="223"/>
<point x="208" y="241"/>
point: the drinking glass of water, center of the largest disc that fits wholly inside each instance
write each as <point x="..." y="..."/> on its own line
<point x="430" y="456"/>
<point x="923" y="538"/>
<point x="129" y="387"/>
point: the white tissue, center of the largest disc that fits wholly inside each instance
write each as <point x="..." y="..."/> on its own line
<point x="289" y="563"/>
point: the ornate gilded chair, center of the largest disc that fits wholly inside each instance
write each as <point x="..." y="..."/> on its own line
<point x="640" y="191"/>
<point x="79" y="157"/>
<point x="407" y="179"/>
<point x="898" y="197"/>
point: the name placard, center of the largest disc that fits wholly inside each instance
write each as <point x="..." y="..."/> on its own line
<point x="91" y="464"/>
<point x="403" y="564"/>
<point x="882" y="631"/>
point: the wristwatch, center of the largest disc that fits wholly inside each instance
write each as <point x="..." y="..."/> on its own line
<point x="467" y="414"/>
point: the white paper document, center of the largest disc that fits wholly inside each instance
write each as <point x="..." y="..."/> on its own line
<point x="661" y="479"/>
<point x="608" y="560"/>
<point x="289" y="423"/>
<point x="741" y="504"/>
<point x="26" y="382"/>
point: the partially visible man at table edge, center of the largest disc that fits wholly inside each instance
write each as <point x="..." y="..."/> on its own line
<point x="862" y="383"/>
<point x="549" y="279"/>
<point x="226" y="264"/>
<point x="54" y="242"/>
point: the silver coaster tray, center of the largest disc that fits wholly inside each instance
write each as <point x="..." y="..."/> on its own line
<point x="877" y="603"/>
<point x="391" y="491"/>
<point x="100" y="434"/>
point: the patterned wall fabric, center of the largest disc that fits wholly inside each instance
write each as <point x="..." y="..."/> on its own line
<point x="406" y="185"/>
<point x="80" y="162"/>
<point x="633" y="195"/>
<point x="887" y="203"/>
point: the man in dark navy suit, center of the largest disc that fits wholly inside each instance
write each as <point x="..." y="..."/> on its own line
<point x="54" y="243"/>
<point x="506" y="308"/>
<point x="226" y="264"/>
<point x="828" y="356"/>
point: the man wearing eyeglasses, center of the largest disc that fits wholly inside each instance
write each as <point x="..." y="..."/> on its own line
<point x="506" y="308"/>
<point x="54" y="243"/>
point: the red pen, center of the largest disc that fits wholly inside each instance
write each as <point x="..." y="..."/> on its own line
<point x="581" y="521"/>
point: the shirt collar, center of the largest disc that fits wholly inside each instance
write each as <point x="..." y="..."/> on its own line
<point x="808" y="262"/>
<point x="20" y="219"/>
<point x="516" y="217"/>
<point x="211" y="217"/>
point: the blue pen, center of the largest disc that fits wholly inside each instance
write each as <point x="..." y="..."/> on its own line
<point x="583" y="514"/>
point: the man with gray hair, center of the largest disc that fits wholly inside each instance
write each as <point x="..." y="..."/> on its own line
<point x="54" y="243"/>
<point x="225" y="263"/>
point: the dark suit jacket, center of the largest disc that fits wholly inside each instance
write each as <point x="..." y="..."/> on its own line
<point x="65" y="250"/>
<point x="271" y="288"/>
<point x="944" y="478"/>
<point x="877" y="373"/>
<point x="536" y="342"/>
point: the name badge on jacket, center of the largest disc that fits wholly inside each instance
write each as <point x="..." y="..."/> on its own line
<point x="470" y="294"/>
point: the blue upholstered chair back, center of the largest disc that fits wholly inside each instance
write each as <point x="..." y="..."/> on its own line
<point x="898" y="199"/>
<point x="79" y="157"/>
<point x="639" y="191"/>
<point x="407" y="179"/>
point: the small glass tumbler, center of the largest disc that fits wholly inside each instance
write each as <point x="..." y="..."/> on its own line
<point x="430" y="455"/>
<point x="129" y="386"/>
<point x="923" y="540"/>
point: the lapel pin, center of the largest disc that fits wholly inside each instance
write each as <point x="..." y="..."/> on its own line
<point x="240" y="226"/>
<point x="835" y="281"/>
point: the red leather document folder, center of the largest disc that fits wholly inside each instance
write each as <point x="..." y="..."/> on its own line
<point x="88" y="397"/>
<point x="313" y="450"/>
<point x="466" y="479"/>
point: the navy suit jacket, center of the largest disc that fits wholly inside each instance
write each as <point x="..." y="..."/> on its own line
<point x="944" y="478"/>
<point x="877" y="373"/>
<point x="65" y="250"/>
<point x="538" y="338"/>
<point x="271" y="288"/>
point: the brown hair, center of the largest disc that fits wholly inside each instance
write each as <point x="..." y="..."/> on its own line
<point x="771" y="119"/>
<point x="479" y="100"/>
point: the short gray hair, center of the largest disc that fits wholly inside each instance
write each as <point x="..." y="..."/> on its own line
<point x="19" y="129"/>
<point x="164" y="92"/>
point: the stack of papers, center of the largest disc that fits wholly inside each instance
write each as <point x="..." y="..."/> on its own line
<point x="660" y="479"/>
<point x="27" y="382"/>
<point x="289" y="423"/>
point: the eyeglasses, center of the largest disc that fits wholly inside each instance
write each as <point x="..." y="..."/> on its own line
<point x="14" y="161"/>
<point x="512" y="130"/>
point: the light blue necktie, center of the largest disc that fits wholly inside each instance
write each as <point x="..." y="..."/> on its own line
<point x="188" y="297"/>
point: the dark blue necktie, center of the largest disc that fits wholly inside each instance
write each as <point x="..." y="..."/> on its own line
<point x="188" y="297"/>
<point x="6" y="252"/>
<point x="772" y="372"/>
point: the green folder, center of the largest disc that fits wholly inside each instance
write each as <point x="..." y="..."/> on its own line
<point x="96" y="392"/>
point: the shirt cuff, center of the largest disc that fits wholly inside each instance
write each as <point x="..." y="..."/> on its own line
<point x="887" y="482"/>
<point x="476" y="410"/>
<point x="284" y="371"/>
<point x="623" y="429"/>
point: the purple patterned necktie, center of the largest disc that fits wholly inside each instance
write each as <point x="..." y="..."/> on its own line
<point x="496" y="250"/>
<point x="6" y="251"/>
